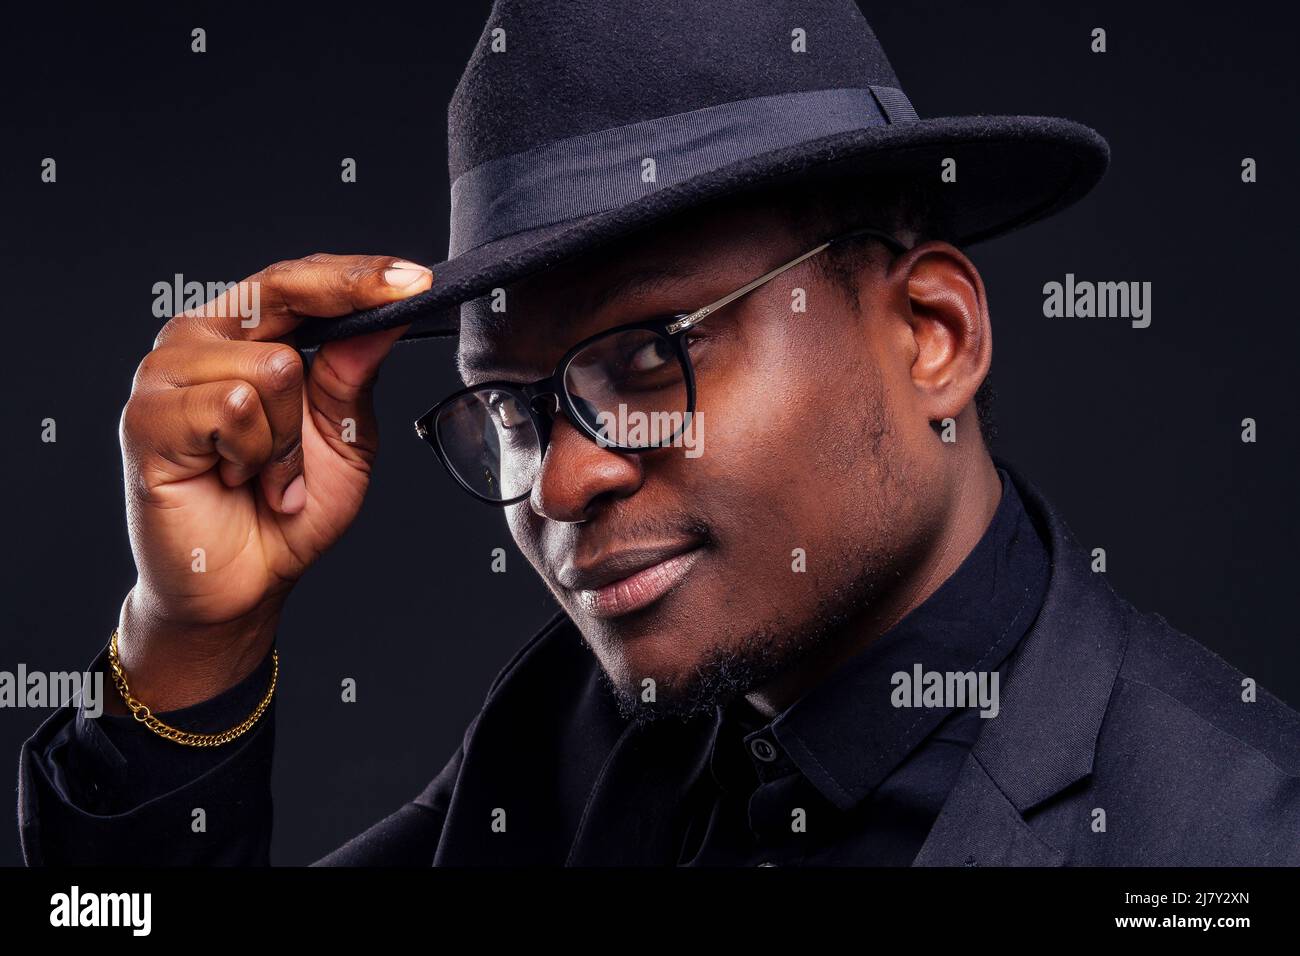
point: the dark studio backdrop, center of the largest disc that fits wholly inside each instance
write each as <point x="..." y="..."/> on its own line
<point x="216" y="164"/>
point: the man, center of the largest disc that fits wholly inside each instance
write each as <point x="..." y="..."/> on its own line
<point x="723" y="357"/>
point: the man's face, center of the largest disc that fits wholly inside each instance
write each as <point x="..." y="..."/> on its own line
<point x="809" y="503"/>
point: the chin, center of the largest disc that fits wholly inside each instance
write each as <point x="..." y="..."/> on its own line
<point x="656" y="647"/>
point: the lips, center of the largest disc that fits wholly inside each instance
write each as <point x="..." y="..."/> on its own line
<point x="629" y="580"/>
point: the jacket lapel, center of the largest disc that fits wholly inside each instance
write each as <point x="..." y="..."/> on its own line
<point x="635" y="813"/>
<point x="1054" y="700"/>
<point x="978" y="826"/>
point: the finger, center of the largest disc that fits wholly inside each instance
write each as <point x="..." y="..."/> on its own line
<point x="171" y="435"/>
<point x="275" y="370"/>
<point x="340" y="387"/>
<point x="273" y="302"/>
<point x="327" y="285"/>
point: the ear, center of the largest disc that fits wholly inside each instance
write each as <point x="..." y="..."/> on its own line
<point x="948" y="316"/>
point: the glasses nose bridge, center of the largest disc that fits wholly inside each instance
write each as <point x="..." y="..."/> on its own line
<point x="545" y="402"/>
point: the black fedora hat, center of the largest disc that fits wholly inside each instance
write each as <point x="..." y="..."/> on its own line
<point x="577" y="122"/>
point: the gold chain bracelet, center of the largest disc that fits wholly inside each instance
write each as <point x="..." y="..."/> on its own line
<point x="146" y="717"/>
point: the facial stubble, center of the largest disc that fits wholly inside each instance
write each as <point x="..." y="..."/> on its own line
<point x="739" y="663"/>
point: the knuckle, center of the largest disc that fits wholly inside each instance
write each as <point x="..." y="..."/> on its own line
<point x="360" y="277"/>
<point x="280" y="271"/>
<point x="134" y="424"/>
<point x="162" y="366"/>
<point x="359" y="272"/>
<point x="146" y="371"/>
<point x="372" y="265"/>
<point x="281" y="369"/>
<point x="241" y="404"/>
<point x="167" y="330"/>
<point x="126" y="422"/>
<point x="191" y="324"/>
<point x="173" y="327"/>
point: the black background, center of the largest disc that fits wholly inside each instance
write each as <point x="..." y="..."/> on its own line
<point x="214" y="165"/>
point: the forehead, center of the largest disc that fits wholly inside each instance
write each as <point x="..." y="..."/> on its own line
<point x="539" y="317"/>
<point x="553" y="307"/>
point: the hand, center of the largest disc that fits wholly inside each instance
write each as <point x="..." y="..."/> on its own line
<point x="236" y="457"/>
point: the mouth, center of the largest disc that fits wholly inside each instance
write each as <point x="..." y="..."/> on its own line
<point x="629" y="580"/>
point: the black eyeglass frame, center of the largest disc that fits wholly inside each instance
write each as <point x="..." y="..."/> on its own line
<point x="670" y="327"/>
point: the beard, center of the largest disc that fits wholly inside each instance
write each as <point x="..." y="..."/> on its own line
<point x="741" y="662"/>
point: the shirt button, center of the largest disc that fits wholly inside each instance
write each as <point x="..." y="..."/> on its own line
<point x="762" y="748"/>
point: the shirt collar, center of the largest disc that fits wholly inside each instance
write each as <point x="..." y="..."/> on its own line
<point x="846" y="735"/>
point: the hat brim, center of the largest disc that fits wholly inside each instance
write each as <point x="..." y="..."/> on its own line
<point x="1011" y="171"/>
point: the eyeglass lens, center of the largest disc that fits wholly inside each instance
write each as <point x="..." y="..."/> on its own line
<point x="629" y="389"/>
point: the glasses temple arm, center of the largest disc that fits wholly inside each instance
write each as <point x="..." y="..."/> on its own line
<point x="686" y="321"/>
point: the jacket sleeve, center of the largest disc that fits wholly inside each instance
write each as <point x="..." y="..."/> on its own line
<point x="103" y="790"/>
<point x="100" y="789"/>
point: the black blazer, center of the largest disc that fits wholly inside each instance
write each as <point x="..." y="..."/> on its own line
<point x="1119" y="741"/>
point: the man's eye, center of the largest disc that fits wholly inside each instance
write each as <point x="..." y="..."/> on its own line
<point x="505" y="409"/>
<point x="650" y="356"/>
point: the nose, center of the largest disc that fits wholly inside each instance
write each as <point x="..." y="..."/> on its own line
<point x="577" y="474"/>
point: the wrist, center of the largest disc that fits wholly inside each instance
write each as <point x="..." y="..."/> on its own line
<point x="173" y="664"/>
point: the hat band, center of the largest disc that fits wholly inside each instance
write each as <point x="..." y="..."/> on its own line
<point x="602" y="170"/>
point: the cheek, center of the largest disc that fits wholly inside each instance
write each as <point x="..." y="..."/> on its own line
<point x="526" y="528"/>
<point x="805" y="451"/>
<point x="788" y="462"/>
<point x="792" y="419"/>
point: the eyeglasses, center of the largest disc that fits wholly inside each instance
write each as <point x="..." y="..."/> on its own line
<point x="492" y="436"/>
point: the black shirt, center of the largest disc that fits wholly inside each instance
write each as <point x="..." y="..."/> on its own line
<point x="868" y="778"/>
<point x="845" y="775"/>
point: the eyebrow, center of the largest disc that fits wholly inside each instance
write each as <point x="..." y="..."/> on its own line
<point x="642" y="279"/>
<point x="638" y="281"/>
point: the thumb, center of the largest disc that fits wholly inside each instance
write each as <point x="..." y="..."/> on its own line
<point x="341" y="383"/>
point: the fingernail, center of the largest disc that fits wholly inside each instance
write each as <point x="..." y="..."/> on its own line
<point x="295" y="496"/>
<point x="406" y="264"/>
<point x="401" y="278"/>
